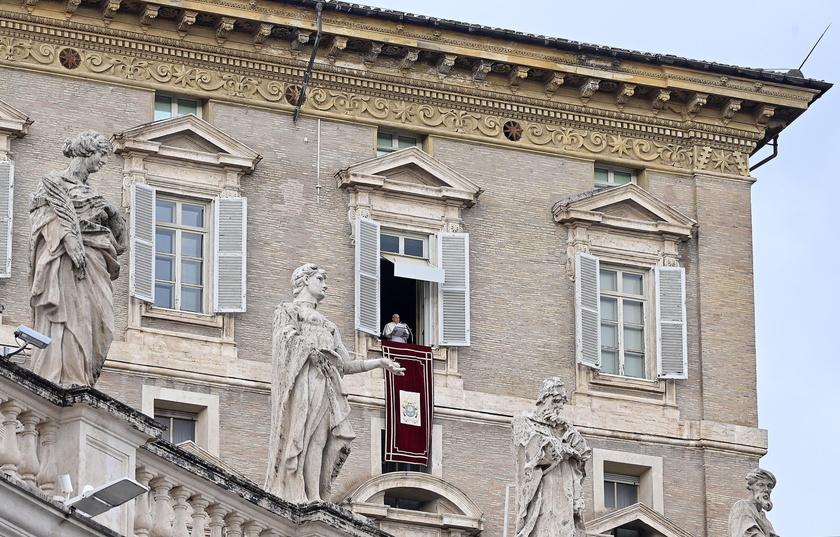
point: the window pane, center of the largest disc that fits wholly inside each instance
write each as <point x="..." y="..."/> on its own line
<point x="191" y="244"/>
<point x="609" y="280"/>
<point x="164" y="295"/>
<point x="191" y="271"/>
<point x="634" y="365"/>
<point x="631" y="284"/>
<point x="165" y="211"/>
<point x="601" y="177"/>
<point x="406" y="141"/>
<point x="163" y="107"/>
<point x="634" y="312"/>
<point x="609" y="362"/>
<point x="621" y="178"/>
<point x="634" y="339"/>
<point x="609" y="335"/>
<point x="609" y="309"/>
<point x="165" y="240"/>
<point x="384" y="140"/>
<point x="182" y="430"/>
<point x="625" y="495"/>
<point x="389" y="243"/>
<point x="192" y="215"/>
<point x="187" y="106"/>
<point x="164" y="268"/>
<point x="191" y="299"/>
<point x="609" y="494"/>
<point x="413" y="247"/>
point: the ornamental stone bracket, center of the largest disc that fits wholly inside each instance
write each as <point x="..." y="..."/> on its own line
<point x="407" y="189"/>
<point x="622" y="224"/>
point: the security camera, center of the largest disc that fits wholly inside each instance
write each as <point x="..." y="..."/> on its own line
<point x="32" y="337"/>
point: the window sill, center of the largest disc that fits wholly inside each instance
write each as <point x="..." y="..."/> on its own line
<point x="634" y="383"/>
<point x="213" y="320"/>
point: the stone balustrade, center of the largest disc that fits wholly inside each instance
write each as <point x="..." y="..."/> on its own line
<point x="48" y="431"/>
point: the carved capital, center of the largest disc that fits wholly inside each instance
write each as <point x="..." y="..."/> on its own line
<point x="480" y="69"/>
<point x="148" y="14"/>
<point x="696" y="103"/>
<point x="186" y="20"/>
<point x="518" y="73"/>
<point x="729" y="108"/>
<point x="223" y="28"/>
<point x="299" y="38"/>
<point x="372" y="52"/>
<point x="445" y="63"/>
<point x="554" y="81"/>
<point x="337" y="44"/>
<point x="409" y="58"/>
<point x="263" y="31"/>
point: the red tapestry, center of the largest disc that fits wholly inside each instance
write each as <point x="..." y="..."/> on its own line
<point x="409" y="404"/>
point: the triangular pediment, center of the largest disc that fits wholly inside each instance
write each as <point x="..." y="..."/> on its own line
<point x="627" y="207"/>
<point x="638" y="517"/>
<point x="411" y="171"/>
<point x="13" y="122"/>
<point x="187" y="138"/>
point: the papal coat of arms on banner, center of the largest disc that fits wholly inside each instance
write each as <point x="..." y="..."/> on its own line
<point x="409" y="408"/>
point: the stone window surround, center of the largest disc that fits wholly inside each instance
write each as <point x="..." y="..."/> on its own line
<point x="648" y="468"/>
<point x="207" y="432"/>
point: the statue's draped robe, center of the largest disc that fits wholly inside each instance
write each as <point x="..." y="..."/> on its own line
<point x="550" y="470"/>
<point x="747" y="520"/>
<point x="310" y="427"/>
<point x="77" y="314"/>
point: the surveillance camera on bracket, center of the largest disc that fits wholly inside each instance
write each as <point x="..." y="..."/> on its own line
<point x="32" y="337"/>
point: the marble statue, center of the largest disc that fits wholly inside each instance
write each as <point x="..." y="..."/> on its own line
<point x="550" y="467"/>
<point x="76" y="236"/>
<point x="310" y="426"/>
<point x="747" y="518"/>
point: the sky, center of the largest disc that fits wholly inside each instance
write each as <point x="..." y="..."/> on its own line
<point x="795" y="208"/>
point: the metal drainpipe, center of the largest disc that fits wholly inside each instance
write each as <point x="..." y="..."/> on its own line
<point x="775" y="154"/>
<point x="318" y="8"/>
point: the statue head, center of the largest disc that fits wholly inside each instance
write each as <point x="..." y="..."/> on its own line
<point x="310" y="278"/>
<point x="552" y="396"/>
<point x="760" y="483"/>
<point x="91" y="148"/>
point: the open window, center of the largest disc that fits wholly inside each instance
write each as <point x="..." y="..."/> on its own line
<point x="412" y="256"/>
<point x="13" y="124"/>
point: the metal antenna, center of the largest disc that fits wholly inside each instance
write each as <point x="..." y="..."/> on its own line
<point x="815" y="46"/>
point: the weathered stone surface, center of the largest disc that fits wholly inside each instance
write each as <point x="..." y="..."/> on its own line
<point x="747" y="518"/>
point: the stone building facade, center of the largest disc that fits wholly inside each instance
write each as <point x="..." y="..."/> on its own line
<point x="569" y="210"/>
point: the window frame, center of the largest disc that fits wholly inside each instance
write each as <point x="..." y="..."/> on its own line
<point x="205" y="406"/>
<point x="611" y="171"/>
<point x="647" y="322"/>
<point x="171" y="414"/>
<point x="648" y="469"/>
<point x="382" y="150"/>
<point x="174" y="104"/>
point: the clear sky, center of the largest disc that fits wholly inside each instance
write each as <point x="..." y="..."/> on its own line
<point x="796" y="211"/>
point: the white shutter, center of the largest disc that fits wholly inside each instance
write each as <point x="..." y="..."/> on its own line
<point x="229" y="263"/>
<point x="141" y="279"/>
<point x="367" y="276"/>
<point x="7" y="188"/>
<point x="671" y="347"/>
<point x="588" y="310"/>
<point x="454" y="292"/>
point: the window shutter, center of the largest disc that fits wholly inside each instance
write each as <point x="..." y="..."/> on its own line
<point x="671" y="347"/>
<point x="7" y="188"/>
<point x="454" y="292"/>
<point x="142" y="237"/>
<point x="588" y="310"/>
<point x="367" y="276"/>
<point x="229" y="265"/>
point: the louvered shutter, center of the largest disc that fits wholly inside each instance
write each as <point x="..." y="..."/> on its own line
<point x="454" y="292"/>
<point x="671" y="346"/>
<point x="367" y="276"/>
<point x="588" y="311"/>
<point x="229" y="266"/>
<point x="142" y="237"/>
<point x="7" y="188"/>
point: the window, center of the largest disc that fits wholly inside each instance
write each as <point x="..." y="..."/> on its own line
<point x="431" y="294"/>
<point x="389" y="466"/>
<point x="7" y="199"/>
<point x="167" y="106"/>
<point x="606" y="176"/>
<point x="623" y="313"/>
<point x="387" y="142"/>
<point x="612" y="318"/>
<point x="181" y="235"/>
<point x="620" y="490"/>
<point x="173" y="240"/>
<point x="180" y="425"/>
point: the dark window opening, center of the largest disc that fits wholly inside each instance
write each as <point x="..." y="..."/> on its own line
<point x="180" y="425"/>
<point x="388" y="467"/>
<point x="402" y="296"/>
<point x="620" y="491"/>
<point x="403" y="503"/>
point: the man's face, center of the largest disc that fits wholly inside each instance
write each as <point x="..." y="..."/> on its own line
<point x="396" y="318"/>
<point x="761" y="490"/>
<point x="554" y="406"/>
